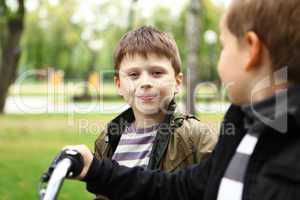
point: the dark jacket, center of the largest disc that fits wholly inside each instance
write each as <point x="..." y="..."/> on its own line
<point x="273" y="171"/>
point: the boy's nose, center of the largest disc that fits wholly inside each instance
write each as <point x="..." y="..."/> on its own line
<point x="146" y="82"/>
<point x="146" y="85"/>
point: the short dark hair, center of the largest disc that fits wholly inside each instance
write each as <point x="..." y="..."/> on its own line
<point x="146" y="40"/>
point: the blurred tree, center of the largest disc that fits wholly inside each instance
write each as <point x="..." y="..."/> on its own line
<point x="11" y="28"/>
<point x="62" y="34"/>
<point x="132" y="15"/>
<point x="209" y="51"/>
<point x="193" y="29"/>
<point x="55" y="40"/>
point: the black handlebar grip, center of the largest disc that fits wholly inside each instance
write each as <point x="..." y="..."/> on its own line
<point x="76" y="166"/>
<point x="77" y="162"/>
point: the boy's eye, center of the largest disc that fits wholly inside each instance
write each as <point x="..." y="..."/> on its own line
<point x="133" y="75"/>
<point x="157" y="73"/>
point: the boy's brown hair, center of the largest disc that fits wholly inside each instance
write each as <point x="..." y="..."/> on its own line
<point x="277" y="24"/>
<point x="146" y="40"/>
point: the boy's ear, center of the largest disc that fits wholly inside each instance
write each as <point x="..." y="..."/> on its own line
<point x="255" y="50"/>
<point x="179" y="79"/>
<point x="118" y="84"/>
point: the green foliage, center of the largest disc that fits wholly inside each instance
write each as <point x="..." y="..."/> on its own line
<point x="53" y="39"/>
<point x="50" y="39"/>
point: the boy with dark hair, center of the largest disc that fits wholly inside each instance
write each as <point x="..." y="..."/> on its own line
<point x="151" y="134"/>
<point x="260" y="65"/>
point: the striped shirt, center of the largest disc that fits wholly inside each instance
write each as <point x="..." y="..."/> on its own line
<point x="135" y="146"/>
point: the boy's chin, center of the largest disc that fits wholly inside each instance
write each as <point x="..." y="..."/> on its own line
<point x="148" y="109"/>
<point x="237" y="100"/>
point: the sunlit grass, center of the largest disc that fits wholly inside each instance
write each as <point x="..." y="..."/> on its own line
<point x="28" y="143"/>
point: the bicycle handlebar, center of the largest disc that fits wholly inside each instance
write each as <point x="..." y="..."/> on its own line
<point x="67" y="164"/>
<point x="57" y="179"/>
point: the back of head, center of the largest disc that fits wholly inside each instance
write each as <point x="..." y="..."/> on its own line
<point x="277" y="24"/>
<point x="144" y="41"/>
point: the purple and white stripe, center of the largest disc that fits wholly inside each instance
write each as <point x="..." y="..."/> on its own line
<point x="135" y="146"/>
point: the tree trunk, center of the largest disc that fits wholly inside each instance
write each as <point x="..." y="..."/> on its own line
<point x="10" y="51"/>
<point x="193" y="29"/>
<point x="131" y="15"/>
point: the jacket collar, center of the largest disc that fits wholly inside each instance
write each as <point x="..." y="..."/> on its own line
<point x="275" y="111"/>
<point x="294" y="102"/>
<point x="116" y="127"/>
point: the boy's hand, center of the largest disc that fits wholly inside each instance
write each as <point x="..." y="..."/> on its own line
<point x="87" y="158"/>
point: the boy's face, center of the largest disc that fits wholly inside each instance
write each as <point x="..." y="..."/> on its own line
<point x="231" y="67"/>
<point x="147" y="84"/>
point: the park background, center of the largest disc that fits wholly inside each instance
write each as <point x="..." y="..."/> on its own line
<point x="56" y="76"/>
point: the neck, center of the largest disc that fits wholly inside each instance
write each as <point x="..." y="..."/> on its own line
<point x="147" y="120"/>
<point x="267" y="92"/>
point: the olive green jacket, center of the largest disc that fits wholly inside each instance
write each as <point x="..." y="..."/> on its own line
<point x="181" y="140"/>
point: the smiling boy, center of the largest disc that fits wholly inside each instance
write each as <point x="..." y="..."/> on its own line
<point x="151" y="133"/>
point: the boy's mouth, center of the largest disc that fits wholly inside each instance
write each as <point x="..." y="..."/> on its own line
<point x="147" y="97"/>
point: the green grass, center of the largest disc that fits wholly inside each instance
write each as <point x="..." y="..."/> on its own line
<point x="28" y="143"/>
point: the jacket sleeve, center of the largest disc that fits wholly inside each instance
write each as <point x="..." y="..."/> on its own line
<point x="202" y="139"/>
<point x="108" y="178"/>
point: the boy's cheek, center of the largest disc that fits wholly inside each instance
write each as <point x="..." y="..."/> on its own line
<point x="222" y="71"/>
<point x="127" y="86"/>
<point x="166" y="84"/>
<point x="128" y="99"/>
